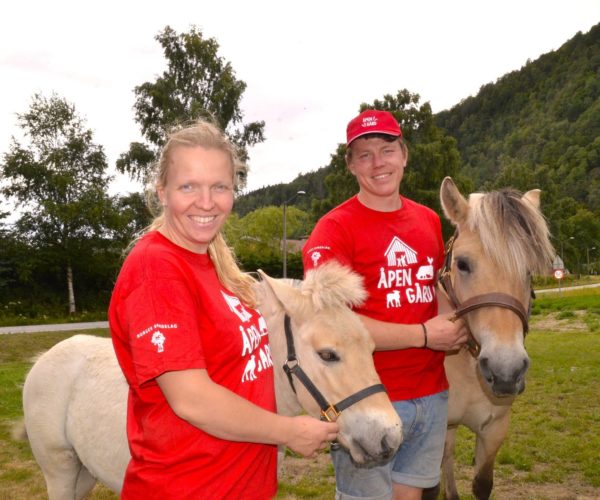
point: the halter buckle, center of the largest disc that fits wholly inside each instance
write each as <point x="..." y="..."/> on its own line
<point x="330" y="414"/>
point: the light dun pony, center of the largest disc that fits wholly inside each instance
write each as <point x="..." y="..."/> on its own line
<point x="501" y="240"/>
<point x="75" y="395"/>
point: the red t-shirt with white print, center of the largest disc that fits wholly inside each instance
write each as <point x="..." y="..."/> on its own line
<point x="170" y="312"/>
<point x="398" y="254"/>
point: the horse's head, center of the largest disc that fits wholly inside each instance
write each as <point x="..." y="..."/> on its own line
<point x="334" y="350"/>
<point x="501" y="240"/>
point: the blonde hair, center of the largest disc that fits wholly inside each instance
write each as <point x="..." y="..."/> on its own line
<point x="209" y="136"/>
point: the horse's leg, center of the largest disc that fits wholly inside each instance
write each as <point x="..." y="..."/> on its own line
<point x="85" y="483"/>
<point x="65" y="476"/>
<point x="488" y="443"/>
<point x="450" y="491"/>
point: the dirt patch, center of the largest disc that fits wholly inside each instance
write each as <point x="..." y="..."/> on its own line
<point x="514" y="487"/>
<point x="293" y="468"/>
<point x="317" y="471"/>
<point x="552" y="322"/>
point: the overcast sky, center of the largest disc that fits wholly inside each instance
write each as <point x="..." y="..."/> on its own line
<point x="308" y="65"/>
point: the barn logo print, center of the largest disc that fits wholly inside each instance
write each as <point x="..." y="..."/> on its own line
<point x="405" y="277"/>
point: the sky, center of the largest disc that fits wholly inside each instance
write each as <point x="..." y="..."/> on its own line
<point x="308" y="65"/>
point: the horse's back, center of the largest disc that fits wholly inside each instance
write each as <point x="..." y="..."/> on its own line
<point x="63" y="416"/>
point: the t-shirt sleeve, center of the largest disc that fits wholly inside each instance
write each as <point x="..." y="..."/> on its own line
<point x="328" y="241"/>
<point x="164" y="328"/>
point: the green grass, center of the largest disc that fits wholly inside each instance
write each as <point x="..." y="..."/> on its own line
<point x="16" y="319"/>
<point x="570" y="280"/>
<point x="553" y="440"/>
<point x="586" y="299"/>
<point x="554" y="435"/>
<point x="20" y="477"/>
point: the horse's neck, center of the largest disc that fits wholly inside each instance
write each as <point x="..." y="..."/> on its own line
<point x="287" y="402"/>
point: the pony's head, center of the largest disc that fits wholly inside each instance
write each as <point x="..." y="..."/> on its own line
<point x="335" y="351"/>
<point x="502" y="240"/>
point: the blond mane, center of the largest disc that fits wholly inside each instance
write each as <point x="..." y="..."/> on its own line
<point x="513" y="232"/>
<point x="333" y="285"/>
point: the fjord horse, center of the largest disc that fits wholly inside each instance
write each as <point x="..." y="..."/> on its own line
<point x="75" y="395"/>
<point x="501" y="240"/>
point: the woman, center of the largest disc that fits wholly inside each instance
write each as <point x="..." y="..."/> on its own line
<point x="201" y="421"/>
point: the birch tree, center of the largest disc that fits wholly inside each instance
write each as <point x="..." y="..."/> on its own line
<point x="56" y="178"/>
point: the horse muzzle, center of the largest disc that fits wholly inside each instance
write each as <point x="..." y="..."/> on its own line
<point x="504" y="379"/>
<point x="370" y="441"/>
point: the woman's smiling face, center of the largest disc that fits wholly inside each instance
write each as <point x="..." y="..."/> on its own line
<point x="197" y="196"/>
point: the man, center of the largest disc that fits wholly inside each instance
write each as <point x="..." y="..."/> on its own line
<point x="396" y="245"/>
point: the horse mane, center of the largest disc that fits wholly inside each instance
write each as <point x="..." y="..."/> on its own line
<point x="513" y="232"/>
<point x="333" y="285"/>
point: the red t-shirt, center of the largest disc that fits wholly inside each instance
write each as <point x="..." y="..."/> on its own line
<point x="398" y="254"/>
<point x="170" y="312"/>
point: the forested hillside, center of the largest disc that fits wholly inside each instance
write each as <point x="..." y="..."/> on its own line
<point x="538" y="126"/>
<point x="540" y="123"/>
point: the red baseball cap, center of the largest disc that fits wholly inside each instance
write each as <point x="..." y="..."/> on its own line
<point x="372" y="121"/>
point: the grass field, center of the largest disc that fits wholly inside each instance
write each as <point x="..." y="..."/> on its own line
<point x="552" y="450"/>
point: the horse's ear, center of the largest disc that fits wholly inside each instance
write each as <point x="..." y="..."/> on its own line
<point x="533" y="197"/>
<point x="278" y="294"/>
<point x="455" y="207"/>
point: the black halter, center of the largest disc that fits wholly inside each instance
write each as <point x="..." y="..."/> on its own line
<point x="291" y="367"/>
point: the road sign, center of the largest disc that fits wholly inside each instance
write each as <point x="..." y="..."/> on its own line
<point x="558" y="274"/>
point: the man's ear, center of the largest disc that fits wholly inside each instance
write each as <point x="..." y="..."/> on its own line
<point x="350" y="168"/>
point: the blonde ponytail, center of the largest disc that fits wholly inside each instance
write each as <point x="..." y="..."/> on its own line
<point x="228" y="271"/>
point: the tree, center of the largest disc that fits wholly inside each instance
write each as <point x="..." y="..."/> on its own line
<point x="585" y="227"/>
<point x="257" y="238"/>
<point x="59" y="181"/>
<point x="197" y="83"/>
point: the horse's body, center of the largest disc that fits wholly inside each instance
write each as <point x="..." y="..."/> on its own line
<point x="75" y="395"/>
<point x="501" y="240"/>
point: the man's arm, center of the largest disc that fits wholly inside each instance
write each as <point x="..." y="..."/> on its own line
<point x="442" y="331"/>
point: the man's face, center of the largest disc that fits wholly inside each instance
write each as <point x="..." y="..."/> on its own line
<point x="378" y="166"/>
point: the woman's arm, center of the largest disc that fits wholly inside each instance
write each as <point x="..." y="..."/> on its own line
<point x="195" y="398"/>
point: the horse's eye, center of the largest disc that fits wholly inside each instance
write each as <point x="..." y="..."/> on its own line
<point x="328" y="356"/>
<point x="463" y="265"/>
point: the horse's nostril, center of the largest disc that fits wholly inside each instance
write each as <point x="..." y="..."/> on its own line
<point x="386" y="450"/>
<point x="484" y="366"/>
<point x="484" y="362"/>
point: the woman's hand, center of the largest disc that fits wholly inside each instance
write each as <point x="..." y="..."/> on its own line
<point x="309" y="435"/>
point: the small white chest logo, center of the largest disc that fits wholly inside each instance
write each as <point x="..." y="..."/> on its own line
<point x="158" y="339"/>
<point x="315" y="256"/>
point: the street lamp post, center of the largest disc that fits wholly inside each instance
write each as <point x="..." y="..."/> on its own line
<point x="588" y="258"/>
<point x="285" y="203"/>
<point x="562" y="251"/>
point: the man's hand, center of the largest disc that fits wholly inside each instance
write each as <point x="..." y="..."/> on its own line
<point x="445" y="333"/>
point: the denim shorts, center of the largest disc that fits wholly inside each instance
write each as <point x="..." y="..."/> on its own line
<point x="417" y="463"/>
